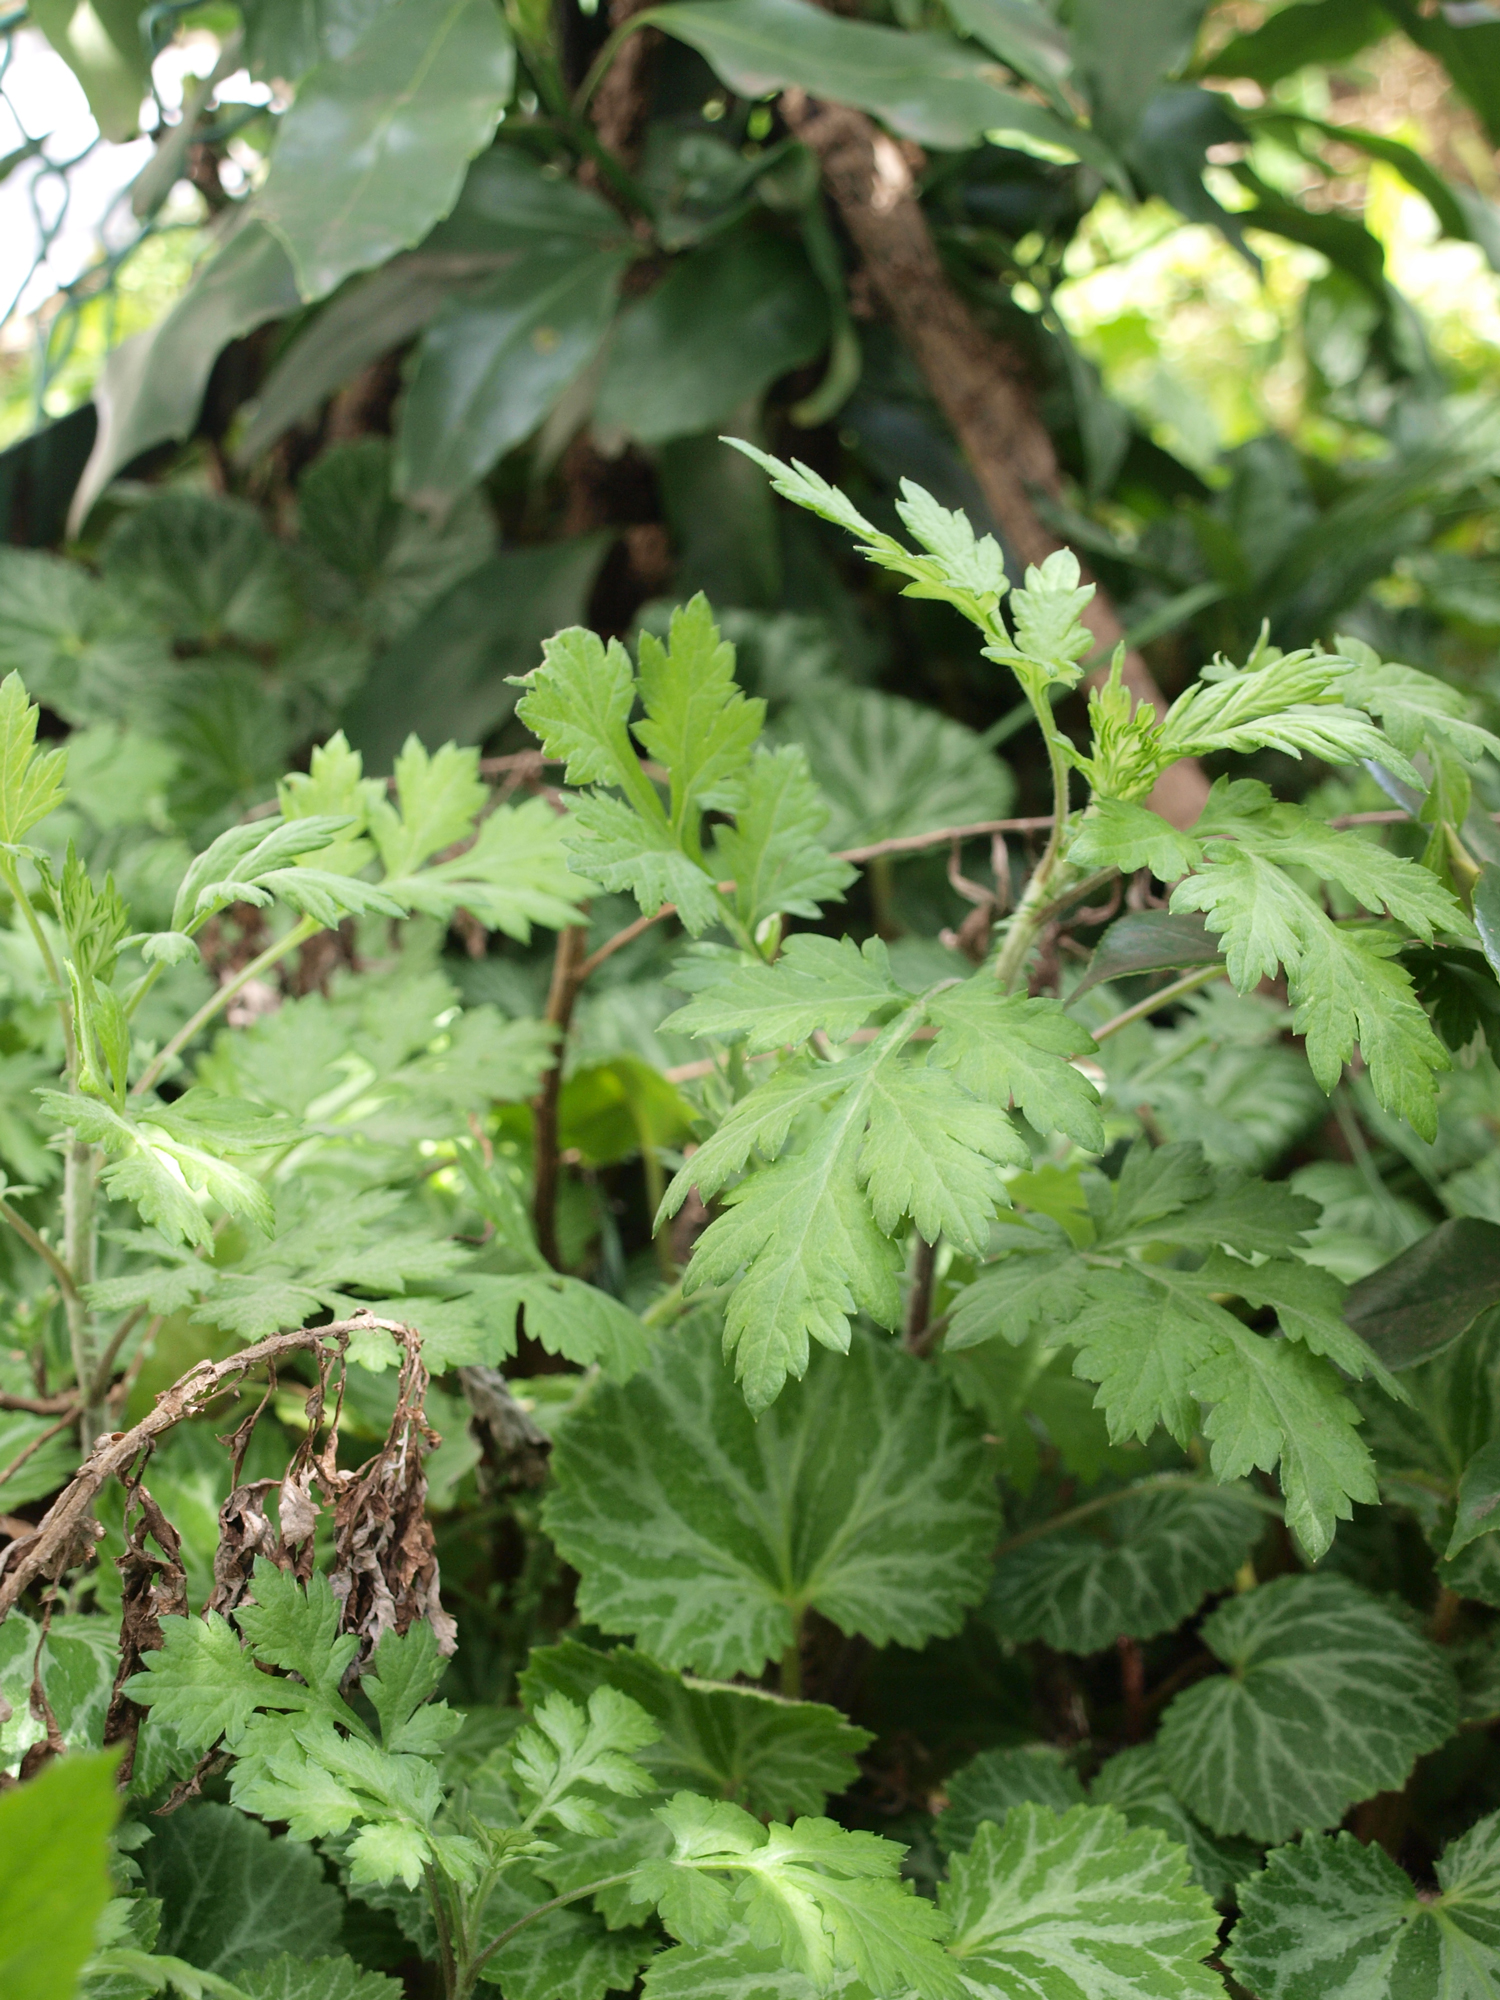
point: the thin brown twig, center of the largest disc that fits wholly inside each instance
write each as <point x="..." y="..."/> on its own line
<point x="38" y="1406"/>
<point x="919" y="1299"/>
<point x="622" y="938"/>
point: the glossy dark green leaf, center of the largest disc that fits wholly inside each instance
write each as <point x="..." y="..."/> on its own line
<point x="152" y="385"/>
<point x="1149" y="941"/>
<point x="927" y="87"/>
<point x="492" y="365"/>
<point x="375" y="147"/>
<point x="54" y="1840"/>
<point x="100" y="41"/>
<point x="1423" y="1300"/>
<point x="770" y="1756"/>
<point x="1317" y="31"/>
<point x="1487" y="914"/>
<point x="1478" y="1499"/>
<point x="719" y="330"/>
<point x="1122" y="67"/>
<point x="370" y="317"/>
<point x="1466" y="41"/>
<point x="287" y="38"/>
<point x="1024" y="35"/>
<point x="447" y="676"/>
<point x="512" y="202"/>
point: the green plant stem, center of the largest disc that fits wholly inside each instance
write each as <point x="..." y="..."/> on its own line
<point x="80" y="1240"/>
<point x="43" y="1249"/>
<point x="49" y="958"/>
<point x="791" y="1667"/>
<point x="99" y="1387"/>
<point x="1189" y="983"/>
<point x="1030" y="913"/>
<point x="470" y="1973"/>
<point x="439" y="1909"/>
<point x="600" y="65"/>
<point x="301" y="931"/>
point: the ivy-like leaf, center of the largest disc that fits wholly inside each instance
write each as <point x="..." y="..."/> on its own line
<point x="989" y="1785"/>
<point x="1332" y="1916"/>
<point x="1153" y="1558"/>
<point x="1132" y="1782"/>
<point x="1331" y="1696"/>
<point x="817" y="983"/>
<point x="156" y="1160"/>
<point x="1115" y="833"/>
<point x="697" y="722"/>
<point x="773" y="852"/>
<point x="1079" y="1903"/>
<point x="704" y="1533"/>
<point x="31" y="780"/>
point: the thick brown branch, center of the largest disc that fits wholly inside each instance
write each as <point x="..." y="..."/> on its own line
<point x="979" y="382"/>
<point x="67" y="1530"/>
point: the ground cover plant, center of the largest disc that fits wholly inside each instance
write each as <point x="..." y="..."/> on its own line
<point x="728" y="1272"/>
<point x="964" y="1360"/>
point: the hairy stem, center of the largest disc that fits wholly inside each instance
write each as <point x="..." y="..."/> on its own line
<point x="301" y="931"/>
<point x="80" y="1244"/>
<point x="1189" y="983"/>
<point x="567" y="980"/>
<point x="99" y="1388"/>
<point x="1021" y="932"/>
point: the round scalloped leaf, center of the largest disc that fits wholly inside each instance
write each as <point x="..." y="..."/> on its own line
<point x="990" y="1784"/>
<point x="232" y="1895"/>
<point x="1331" y="1696"/>
<point x="1131" y="1782"/>
<point x="1136" y="1568"/>
<point x="864" y="1492"/>
<point x="1078" y="1903"/>
<point x="1331" y="1918"/>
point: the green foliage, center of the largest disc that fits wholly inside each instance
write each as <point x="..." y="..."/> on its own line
<point x="1330" y="1696"/>
<point x="284" y="1035"/>
<point x="1330" y="1912"/>
<point x="706" y="1534"/>
<point x="1153" y="1558"/>
<point x="1077" y="1901"/>
<point x="54" y="1882"/>
<point x="1158" y="1340"/>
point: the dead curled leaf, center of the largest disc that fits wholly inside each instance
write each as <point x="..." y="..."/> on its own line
<point x="384" y="1572"/>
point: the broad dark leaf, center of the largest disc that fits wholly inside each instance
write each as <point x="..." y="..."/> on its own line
<point x="1150" y="941"/>
<point x="1423" y="1300"/>
<point x="492" y="365"/>
<point x="719" y="330"/>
